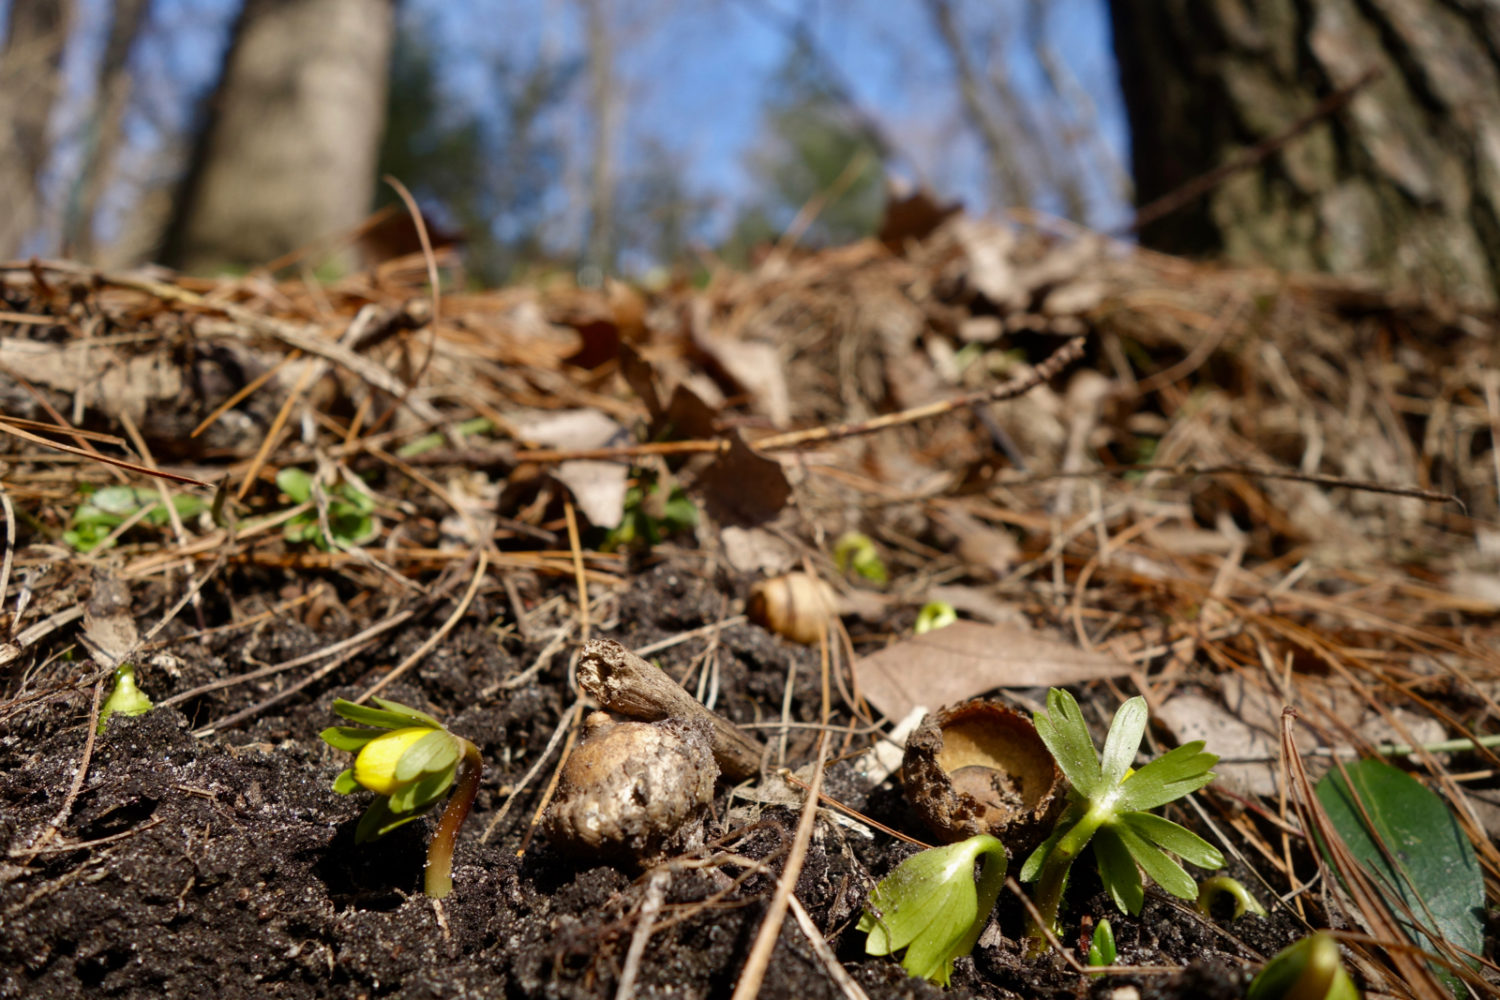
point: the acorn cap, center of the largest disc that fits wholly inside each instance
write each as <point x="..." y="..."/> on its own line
<point x="980" y="767"/>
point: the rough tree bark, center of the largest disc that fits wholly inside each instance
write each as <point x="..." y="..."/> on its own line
<point x="30" y="78"/>
<point x="287" y="155"/>
<point x="1402" y="185"/>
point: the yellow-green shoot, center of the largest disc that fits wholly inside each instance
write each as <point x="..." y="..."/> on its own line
<point x="1108" y="809"/>
<point x="410" y="761"/>
<point x="931" y="906"/>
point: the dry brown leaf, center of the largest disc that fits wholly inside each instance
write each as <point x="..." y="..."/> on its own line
<point x="744" y="486"/>
<point x="968" y="658"/>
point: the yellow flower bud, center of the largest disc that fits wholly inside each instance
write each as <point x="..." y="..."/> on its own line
<point x="375" y="767"/>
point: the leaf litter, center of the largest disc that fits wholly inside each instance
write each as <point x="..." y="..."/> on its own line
<point x="1131" y="474"/>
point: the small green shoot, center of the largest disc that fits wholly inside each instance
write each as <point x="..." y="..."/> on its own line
<point x="108" y="508"/>
<point x="409" y="760"/>
<point x="854" y="550"/>
<point x="125" y="698"/>
<point x="1102" y="946"/>
<point x="934" y="615"/>
<point x="651" y="517"/>
<point x="931" y="907"/>
<point x="1108" y="808"/>
<point x="1310" y="969"/>
<point x="351" y="512"/>
<point x="1211" y="890"/>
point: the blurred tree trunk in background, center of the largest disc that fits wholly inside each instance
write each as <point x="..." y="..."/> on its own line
<point x="1402" y="184"/>
<point x="112" y="96"/>
<point x="604" y="101"/>
<point x="287" y="154"/>
<point x="30" y="78"/>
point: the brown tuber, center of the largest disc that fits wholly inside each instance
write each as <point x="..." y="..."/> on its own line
<point x="634" y="789"/>
<point x="796" y="606"/>
<point x="980" y="767"/>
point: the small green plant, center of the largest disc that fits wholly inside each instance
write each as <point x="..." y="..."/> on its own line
<point x="351" y="510"/>
<point x="125" y="698"/>
<point x="1211" y="890"/>
<point x="1310" y="969"/>
<point x="1102" y="946"/>
<point x="855" y="550"/>
<point x="1108" y="808"/>
<point x="650" y="518"/>
<point x="931" y="906"/>
<point x="108" y="508"/>
<point x="934" y="615"/>
<point x="409" y="760"/>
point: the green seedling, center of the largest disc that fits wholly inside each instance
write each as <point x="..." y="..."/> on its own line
<point x="1108" y="807"/>
<point x="1308" y="970"/>
<point x="1102" y="946"/>
<point x="934" y="615"/>
<point x="409" y="760"/>
<point x="351" y="512"/>
<point x="856" y="551"/>
<point x="108" y="508"/>
<point x="125" y="698"/>
<point x="1211" y="890"/>
<point x="931" y="906"/>
<point x="651" y="517"/>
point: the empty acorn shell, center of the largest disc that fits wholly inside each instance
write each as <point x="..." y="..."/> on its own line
<point x="980" y="767"/>
<point x="796" y="606"/>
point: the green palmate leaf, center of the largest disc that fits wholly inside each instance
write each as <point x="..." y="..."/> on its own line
<point x="437" y="751"/>
<point x="931" y="906"/>
<point x="1171" y="837"/>
<point x="1118" y="872"/>
<point x="380" y="820"/>
<point x="1427" y="869"/>
<point x="1123" y="741"/>
<point x="1167" y="778"/>
<point x="352" y="738"/>
<point x="1163" y="870"/>
<point x="419" y="795"/>
<point x="345" y="784"/>
<point x="1066" y="736"/>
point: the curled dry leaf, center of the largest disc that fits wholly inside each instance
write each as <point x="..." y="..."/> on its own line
<point x="968" y="658"/>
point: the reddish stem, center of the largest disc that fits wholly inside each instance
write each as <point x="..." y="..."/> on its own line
<point x="439" y="881"/>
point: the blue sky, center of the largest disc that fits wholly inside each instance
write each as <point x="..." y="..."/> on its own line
<point x="693" y="76"/>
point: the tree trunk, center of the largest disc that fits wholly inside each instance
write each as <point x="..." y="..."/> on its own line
<point x="30" y="77"/>
<point x="604" y="100"/>
<point x="288" y="152"/>
<point x="1401" y="185"/>
<point x="112" y="94"/>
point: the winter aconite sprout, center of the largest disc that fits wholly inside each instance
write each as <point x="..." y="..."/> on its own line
<point x="931" y="907"/>
<point x="1108" y="808"/>
<point x="1308" y="970"/>
<point x="409" y="760"/>
<point x="126" y="698"/>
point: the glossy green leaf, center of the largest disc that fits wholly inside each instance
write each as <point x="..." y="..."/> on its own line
<point x="345" y="784"/>
<point x="1435" y="875"/>
<point x="1066" y="736"/>
<point x="931" y="906"/>
<point x="1118" y="871"/>
<point x="1171" y="837"/>
<point x="1033" y="864"/>
<point x="389" y="714"/>
<point x="351" y="738"/>
<point x="421" y="794"/>
<point x="435" y="752"/>
<point x="1124" y="739"/>
<point x="1102" y="949"/>
<point x="1163" y="870"/>
<point x="1167" y="778"/>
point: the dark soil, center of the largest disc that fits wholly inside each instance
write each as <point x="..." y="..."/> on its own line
<point x="226" y="865"/>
